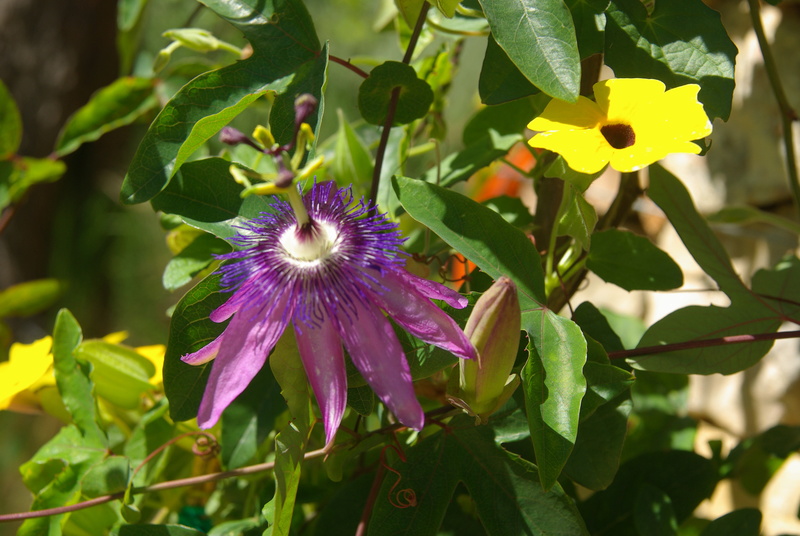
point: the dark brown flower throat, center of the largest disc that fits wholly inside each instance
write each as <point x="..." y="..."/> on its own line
<point x="618" y="136"/>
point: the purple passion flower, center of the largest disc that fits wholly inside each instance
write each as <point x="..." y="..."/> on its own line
<point x="332" y="278"/>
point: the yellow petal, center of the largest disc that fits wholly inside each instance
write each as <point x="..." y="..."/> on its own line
<point x="585" y="151"/>
<point x="623" y="99"/>
<point x="155" y="354"/>
<point x="687" y="120"/>
<point x="116" y="337"/>
<point x="562" y="115"/>
<point x="27" y="365"/>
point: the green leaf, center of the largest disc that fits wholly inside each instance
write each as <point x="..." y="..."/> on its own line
<point x="120" y="375"/>
<point x="361" y="399"/>
<point x="190" y="330"/>
<point x="112" y="475"/>
<point x="680" y="42"/>
<point x="554" y="386"/>
<point x="579" y="218"/>
<point x="352" y="161"/>
<point x="292" y="440"/>
<point x="310" y="78"/>
<point x="685" y="477"/>
<point x="595" y="325"/>
<point x="653" y="514"/>
<point x="54" y="475"/>
<point x="773" y="299"/>
<point x="475" y="156"/>
<point x="120" y="103"/>
<point x="502" y="485"/>
<point x="19" y="174"/>
<point x="500" y="80"/>
<point x="158" y="530"/>
<point x="192" y="260"/>
<point x="507" y="118"/>
<point x="632" y="262"/>
<point x="741" y="522"/>
<point x="73" y="379"/>
<point x="248" y="420"/>
<point x="10" y="124"/>
<point x="590" y="24"/>
<point x="29" y="298"/>
<point x="203" y="190"/>
<point x="596" y="455"/>
<point x="539" y="37"/>
<point x="746" y="214"/>
<point x="477" y="232"/>
<point x="375" y="93"/>
<point x="152" y="431"/>
<point x="283" y="39"/>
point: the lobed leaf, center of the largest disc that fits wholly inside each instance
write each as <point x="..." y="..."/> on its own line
<point x="680" y="42"/>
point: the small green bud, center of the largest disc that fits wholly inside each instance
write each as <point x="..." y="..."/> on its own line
<point x="493" y="328"/>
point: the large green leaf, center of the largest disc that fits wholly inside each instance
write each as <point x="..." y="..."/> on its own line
<point x="190" y="330"/>
<point x="504" y="487"/>
<point x="158" y="530"/>
<point x="192" y="259"/>
<point x="772" y="300"/>
<point x="118" y="104"/>
<point x="680" y="42"/>
<point x="554" y="386"/>
<point x="539" y="37"/>
<point x="283" y="39"/>
<point x="352" y="162"/>
<point x="10" y="124"/>
<point x="479" y="233"/>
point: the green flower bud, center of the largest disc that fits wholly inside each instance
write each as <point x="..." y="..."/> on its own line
<point x="493" y="328"/>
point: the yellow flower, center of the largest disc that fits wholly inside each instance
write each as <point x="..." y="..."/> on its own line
<point x="29" y="368"/>
<point x="632" y="124"/>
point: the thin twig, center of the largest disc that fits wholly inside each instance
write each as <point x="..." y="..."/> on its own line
<point x="703" y="343"/>
<point x="346" y="63"/>
<point x="387" y="124"/>
<point x="788" y="114"/>
<point x="170" y="484"/>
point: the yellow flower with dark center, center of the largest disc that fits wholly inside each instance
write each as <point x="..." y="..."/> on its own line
<point x="632" y="123"/>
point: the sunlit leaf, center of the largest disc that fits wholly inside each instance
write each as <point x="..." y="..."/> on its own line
<point x="539" y="38"/>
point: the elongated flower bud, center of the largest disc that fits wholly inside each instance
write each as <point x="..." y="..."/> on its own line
<point x="493" y="328"/>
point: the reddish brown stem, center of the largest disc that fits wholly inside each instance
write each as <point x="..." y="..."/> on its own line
<point x="346" y="63"/>
<point x="703" y="343"/>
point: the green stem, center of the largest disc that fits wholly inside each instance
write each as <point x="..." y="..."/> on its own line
<point x="788" y="114"/>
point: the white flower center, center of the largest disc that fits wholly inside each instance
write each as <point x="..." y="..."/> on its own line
<point x="311" y="244"/>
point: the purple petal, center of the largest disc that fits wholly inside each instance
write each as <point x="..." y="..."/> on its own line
<point x="431" y="289"/>
<point x="244" y="347"/>
<point x="234" y="303"/>
<point x="204" y="354"/>
<point x="321" y="352"/>
<point x="420" y="316"/>
<point x="376" y="353"/>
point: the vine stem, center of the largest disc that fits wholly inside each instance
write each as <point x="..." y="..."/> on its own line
<point x="346" y="63"/>
<point x="169" y="484"/>
<point x="387" y="124"/>
<point x="788" y="114"/>
<point x="704" y="343"/>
